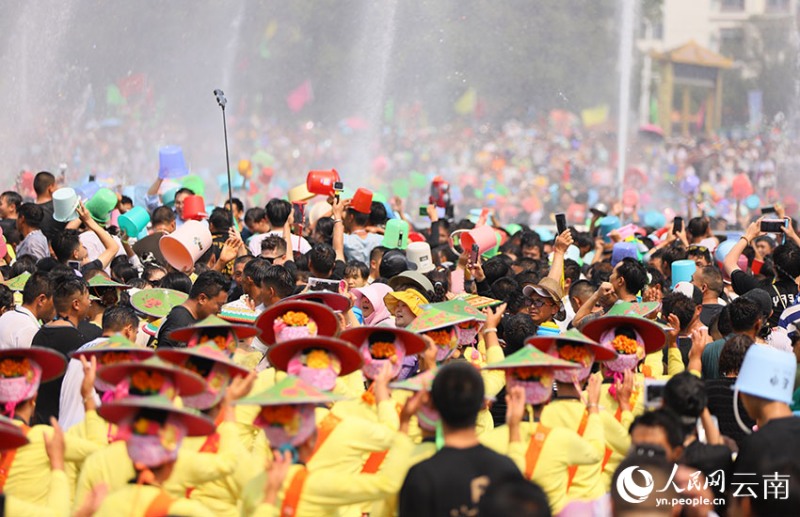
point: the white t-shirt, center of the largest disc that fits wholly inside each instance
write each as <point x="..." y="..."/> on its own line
<point x="70" y="410"/>
<point x="298" y="243"/>
<point x="17" y="328"/>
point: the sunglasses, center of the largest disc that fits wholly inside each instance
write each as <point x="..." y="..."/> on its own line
<point x="698" y="249"/>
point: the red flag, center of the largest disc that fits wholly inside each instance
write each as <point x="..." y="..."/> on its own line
<point x="300" y="96"/>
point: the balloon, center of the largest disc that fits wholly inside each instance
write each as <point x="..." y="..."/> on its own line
<point x="741" y="186"/>
<point x="752" y="202"/>
<point x="724" y="248"/>
<point x="245" y="168"/>
<point x="689" y="184"/>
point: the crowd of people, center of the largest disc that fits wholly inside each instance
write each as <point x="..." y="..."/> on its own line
<point x="346" y="356"/>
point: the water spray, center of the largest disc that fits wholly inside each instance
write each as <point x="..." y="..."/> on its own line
<point x="222" y="101"/>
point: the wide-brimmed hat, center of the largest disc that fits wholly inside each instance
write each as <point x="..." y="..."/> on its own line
<point x="652" y="333"/>
<point x="186" y="382"/>
<point x="411" y="297"/>
<point x="573" y="337"/>
<point x="213" y="323"/>
<point x="435" y="318"/>
<point x="530" y="356"/>
<point x="114" y="345"/>
<point x="461" y="307"/>
<point x="51" y="362"/>
<point x="422" y="283"/>
<point x="157" y="302"/>
<point x="546" y="288"/>
<point x="120" y="411"/>
<point x="419" y="382"/>
<point x="357" y="336"/>
<point x="101" y="281"/>
<point x="290" y="391"/>
<point x="335" y="301"/>
<point x="321" y="315"/>
<point x="280" y="354"/>
<point x="18" y="282"/>
<point x="11" y="435"/>
<point x="205" y="351"/>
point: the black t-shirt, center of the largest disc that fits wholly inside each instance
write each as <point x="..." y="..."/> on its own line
<point x="772" y="448"/>
<point x="452" y="482"/>
<point x="720" y="404"/>
<point x="64" y="340"/>
<point x="783" y="292"/>
<point x="178" y="317"/>
<point x="708" y="312"/>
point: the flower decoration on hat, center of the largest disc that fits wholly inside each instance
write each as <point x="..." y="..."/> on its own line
<point x="293" y="325"/>
<point x="287" y="425"/>
<point x="13" y="368"/>
<point x="575" y="353"/>
<point x="318" y="367"/>
<point x="379" y="346"/>
<point x="446" y="342"/>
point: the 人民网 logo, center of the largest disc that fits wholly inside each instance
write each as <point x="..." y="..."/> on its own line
<point x="629" y="490"/>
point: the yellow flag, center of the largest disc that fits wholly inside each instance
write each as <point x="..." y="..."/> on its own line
<point x="467" y="102"/>
<point x="595" y="116"/>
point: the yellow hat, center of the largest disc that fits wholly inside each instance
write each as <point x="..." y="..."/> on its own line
<point x="410" y="297"/>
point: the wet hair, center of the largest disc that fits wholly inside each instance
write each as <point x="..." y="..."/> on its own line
<point x="495" y="268"/>
<point x="514" y="497"/>
<point x="67" y="287"/>
<point x="32" y="213"/>
<point x="43" y="181"/>
<point x="221" y="220"/>
<point x="732" y="354"/>
<point x="184" y="190"/>
<point x="324" y="228"/>
<point x="12" y="198"/>
<point x="278" y="211"/>
<point x="256" y="270"/>
<point x="118" y="317"/>
<point x="673" y="252"/>
<point x="151" y="268"/>
<point x="65" y="244"/>
<point x="697" y="226"/>
<point x="359" y="218"/>
<point x="440" y="278"/>
<point x="322" y="258"/>
<point x="38" y="284"/>
<point x="572" y="270"/>
<point x="176" y="280"/>
<point x="6" y="297"/>
<point x="529" y="239"/>
<point x="685" y="395"/>
<point x="663" y="418"/>
<point x="356" y="268"/>
<point x="712" y="277"/>
<point x="600" y="272"/>
<point x="681" y="306"/>
<point x="162" y="215"/>
<point x="377" y="214"/>
<point x="786" y="259"/>
<point x="209" y="283"/>
<point x="744" y="313"/>
<point x="237" y="203"/>
<point x="280" y="279"/>
<point x="581" y="288"/>
<point x="274" y="242"/>
<point x="25" y="263"/>
<point x="516" y="329"/>
<point x="503" y="287"/>
<point x="254" y="215"/>
<point x="457" y="394"/>
<point x="634" y="274"/>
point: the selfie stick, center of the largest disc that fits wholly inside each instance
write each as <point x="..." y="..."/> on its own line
<point x="222" y="101"/>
